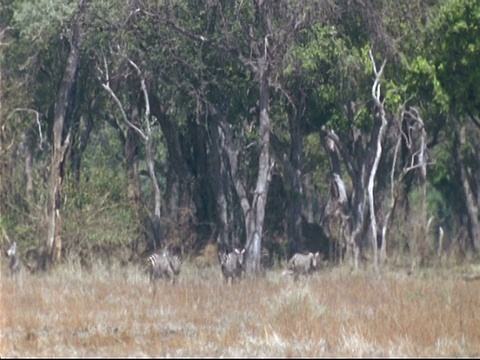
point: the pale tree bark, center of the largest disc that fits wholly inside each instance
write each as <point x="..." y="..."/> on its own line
<point x="131" y="148"/>
<point x="255" y="216"/>
<point x="51" y="252"/>
<point x="274" y="26"/>
<point x="146" y="136"/>
<point x="336" y="215"/>
<point x="380" y="113"/>
<point x="220" y="178"/>
<point x="253" y="209"/>
<point x="414" y="139"/>
<point x="360" y="152"/>
<point x="252" y="205"/>
<point x="352" y="211"/>
<point x="148" y="139"/>
<point x="422" y="161"/>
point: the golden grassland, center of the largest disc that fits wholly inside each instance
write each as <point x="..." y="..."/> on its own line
<point x="113" y="312"/>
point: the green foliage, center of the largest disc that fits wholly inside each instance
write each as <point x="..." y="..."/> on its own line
<point x="455" y="50"/>
<point x="106" y="22"/>
<point x="96" y="209"/>
<point x="318" y="162"/>
<point x="422" y="79"/>
<point x="315" y="53"/>
<point x="325" y="66"/>
<point x="442" y="174"/>
<point x="38" y="20"/>
<point x="437" y="205"/>
<point x="319" y="63"/>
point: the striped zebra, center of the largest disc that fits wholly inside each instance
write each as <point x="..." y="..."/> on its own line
<point x="12" y="254"/>
<point x="302" y="264"/>
<point x="164" y="264"/>
<point x="232" y="264"/>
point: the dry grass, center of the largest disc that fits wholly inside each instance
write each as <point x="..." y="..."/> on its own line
<point x="113" y="313"/>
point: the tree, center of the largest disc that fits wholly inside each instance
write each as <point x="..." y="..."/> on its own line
<point x="447" y="72"/>
<point x="455" y="52"/>
<point x="53" y="248"/>
<point x="265" y="40"/>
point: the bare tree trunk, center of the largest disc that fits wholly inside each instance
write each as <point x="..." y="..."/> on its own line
<point x="337" y="209"/>
<point x="254" y="209"/>
<point x="361" y="160"/>
<point x="28" y="170"/>
<point x="145" y="136"/>
<point x="131" y="150"/>
<point x="176" y="158"/>
<point x="422" y="161"/>
<point x="81" y="136"/>
<point x="220" y="183"/>
<point x="380" y="110"/>
<point x="294" y="205"/>
<point x="292" y="163"/>
<point x="255" y="218"/>
<point x="53" y="244"/>
<point x="470" y="199"/>
<point x="393" y="203"/>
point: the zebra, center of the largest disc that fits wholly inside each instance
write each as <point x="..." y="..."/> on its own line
<point x="164" y="264"/>
<point x="12" y="254"/>
<point x="232" y="264"/>
<point x="302" y="264"/>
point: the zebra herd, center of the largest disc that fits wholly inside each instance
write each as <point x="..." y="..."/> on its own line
<point x="166" y="263"/>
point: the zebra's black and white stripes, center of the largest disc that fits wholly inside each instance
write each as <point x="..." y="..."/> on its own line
<point x="302" y="264"/>
<point x="232" y="264"/>
<point x="164" y="264"/>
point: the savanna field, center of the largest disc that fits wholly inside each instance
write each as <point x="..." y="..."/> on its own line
<point x="112" y="311"/>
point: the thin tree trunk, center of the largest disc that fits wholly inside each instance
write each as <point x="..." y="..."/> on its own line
<point x="28" y="170"/>
<point x="147" y="137"/>
<point x="294" y="173"/>
<point x="254" y="210"/>
<point x="373" y="172"/>
<point x="255" y="218"/>
<point x="53" y="244"/>
<point x="131" y="150"/>
<point x="360" y="159"/>
<point x="220" y="183"/>
<point x="292" y="163"/>
<point x="470" y="199"/>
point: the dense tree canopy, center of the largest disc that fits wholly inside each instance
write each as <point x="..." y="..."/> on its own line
<point x="339" y="126"/>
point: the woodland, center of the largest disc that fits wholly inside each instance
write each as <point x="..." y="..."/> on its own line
<point x="349" y="127"/>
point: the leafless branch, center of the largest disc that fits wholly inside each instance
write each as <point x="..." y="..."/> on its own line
<point x="37" y="120"/>
<point x="376" y="83"/>
<point x="106" y="85"/>
<point x="145" y="94"/>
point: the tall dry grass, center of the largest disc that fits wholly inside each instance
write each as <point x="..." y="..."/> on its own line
<point x="112" y="312"/>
